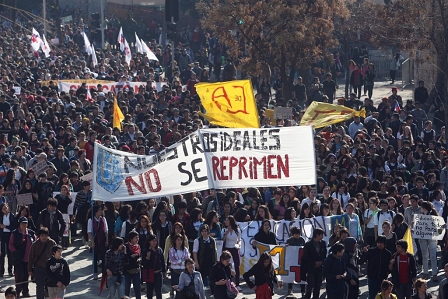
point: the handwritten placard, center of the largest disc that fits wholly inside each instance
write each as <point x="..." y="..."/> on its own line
<point x="17" y="89"/>
<point x="40" y="167"/>
<point x="24" y="199"/>
<point x="428" y="227"/>
<point x="282" y="112"/>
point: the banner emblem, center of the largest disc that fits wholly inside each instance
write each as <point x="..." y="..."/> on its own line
<point x="108" y="166"/>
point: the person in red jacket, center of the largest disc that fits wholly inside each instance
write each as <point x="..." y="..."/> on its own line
<point x="90" y="145"/>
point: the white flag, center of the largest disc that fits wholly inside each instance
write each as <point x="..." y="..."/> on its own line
<point x="35" y="40"/>
<point x="138" y="44"/>
<point x="45" y="46"/>
<point x="127" y="52"/>
<point x="121" y="39"/>
<point x="87" y="44"/>
<point x="149" y="53"/>
<point x="94" y="59"/>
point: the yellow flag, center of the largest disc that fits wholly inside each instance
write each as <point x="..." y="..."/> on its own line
<point x="320" y="115"/>
<point x="408" y="238"/>
<point x="118" y="115"/>
<point x="229" y="104"/>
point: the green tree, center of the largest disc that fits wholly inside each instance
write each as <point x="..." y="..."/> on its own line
<point x="286" y="34"/>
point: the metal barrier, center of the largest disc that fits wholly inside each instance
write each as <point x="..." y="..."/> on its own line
<point x="407" y="71"/>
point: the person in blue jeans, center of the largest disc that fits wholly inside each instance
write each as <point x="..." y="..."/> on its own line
<point x="132" y="268"/>
<point x="377" y="259"/>
<point x="114" y="265"/>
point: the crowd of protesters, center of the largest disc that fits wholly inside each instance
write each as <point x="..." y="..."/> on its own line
<point x="379" y="170"/>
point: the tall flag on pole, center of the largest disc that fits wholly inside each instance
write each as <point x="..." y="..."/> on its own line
<point x="408" y="238"/>
<point x="121" y="39"/>
<point x="229" y="104"/>
<point x="35" y="40"/>
<point x="118" y="115"/>
<point x="45" y="46"/>
<point x="150" y="54"/>
<point x="127" y="52"/>
<point x="138" y="44"/>
<point x="87" y="45"/>
<point x="94" y="58"/>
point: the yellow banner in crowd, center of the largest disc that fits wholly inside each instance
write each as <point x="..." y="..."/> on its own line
<point x="320" y="115"/>
<point x="229" y="104"/>
<point x="118" y="116"/>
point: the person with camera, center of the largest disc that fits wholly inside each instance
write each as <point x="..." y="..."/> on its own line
<point x="40" y="252"/>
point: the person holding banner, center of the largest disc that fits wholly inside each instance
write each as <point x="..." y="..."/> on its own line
<point x="429" y="245"/>
<point x="265" y="278"/>
<point x="264" y="235"/>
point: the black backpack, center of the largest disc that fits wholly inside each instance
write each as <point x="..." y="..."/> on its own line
<point x="189" y="292"/>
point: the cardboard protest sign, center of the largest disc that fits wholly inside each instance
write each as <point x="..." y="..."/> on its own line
<point x="428" y="227"/>
<point x="24" y="199"/>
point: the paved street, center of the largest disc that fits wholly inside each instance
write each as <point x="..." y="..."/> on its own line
<point x="79" y="259"/>
<point x="82" y="285"/>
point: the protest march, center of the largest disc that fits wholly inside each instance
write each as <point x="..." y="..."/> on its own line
<point x="173" y="173"/>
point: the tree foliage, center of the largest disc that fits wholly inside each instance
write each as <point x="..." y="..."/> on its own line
<point x="287" y="34"/>
<point x="417" y="26"/>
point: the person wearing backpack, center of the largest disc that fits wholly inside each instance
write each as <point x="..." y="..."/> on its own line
<point x="190" y="284"/>
<point x="383" y="214"/>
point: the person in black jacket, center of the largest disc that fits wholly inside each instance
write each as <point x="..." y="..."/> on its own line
<point x="351" y="259"/>
<point x="152" y="258"/>
<point x="334" y="271"/>
<point x="132" y="259"/>
<point x="220" y="273"/>
<point x="314" y="253"/>
<point x="52" y="219"/>
<point x="264" y="234"/>
<point x="403" y="260"/>
<point x="378" y="259"/>
<point x="264" y="275"/>
<point x="58" y="274"/>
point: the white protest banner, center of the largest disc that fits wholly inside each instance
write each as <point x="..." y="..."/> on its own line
<point x="17" y="89"/>
<point x="24" y="199"/>
<point x="283" y="113"/>
<point x="259" y="157"/>
<point x="428" y="227"/>
<point x="87" y="177"/>
<point x="121" y="176"/>
<point x="40" y="167"/>
<point x="264" y="157"/>
<point x="285" y="260"/>
<point x="107" y="86"/>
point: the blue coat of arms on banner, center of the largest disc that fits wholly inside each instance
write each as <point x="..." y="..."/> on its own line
<point x="109" y="173"/>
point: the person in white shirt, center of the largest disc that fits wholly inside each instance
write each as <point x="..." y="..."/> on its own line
<point x="342" y="194"/>
<point x="311" y="198"/>
<point x="232" y="243"/>
<point x="383" y="214"/>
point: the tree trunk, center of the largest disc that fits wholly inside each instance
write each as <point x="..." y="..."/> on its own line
<point x="439" y="92"/>
<point x="347" y="69"/>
